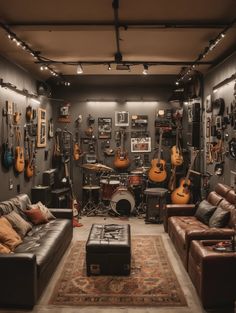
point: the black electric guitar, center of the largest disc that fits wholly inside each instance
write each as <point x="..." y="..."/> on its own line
<point x="157" y="172"/>
<point x="181" y="195"/>
<point x="7" y="150"/>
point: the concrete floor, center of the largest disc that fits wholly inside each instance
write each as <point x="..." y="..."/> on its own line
<point x="138" y="227"/>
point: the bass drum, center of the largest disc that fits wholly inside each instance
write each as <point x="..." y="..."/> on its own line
<point x="123" y="202"/>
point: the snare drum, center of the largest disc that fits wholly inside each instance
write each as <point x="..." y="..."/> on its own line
<point x="122" y="201"/>
<point x="108" y="186"/>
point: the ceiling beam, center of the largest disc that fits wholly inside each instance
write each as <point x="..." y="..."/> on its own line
<point x="40" y="26"/>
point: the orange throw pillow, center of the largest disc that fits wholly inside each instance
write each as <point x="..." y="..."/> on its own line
<point x="4" y="249"/>
<point x="8" y="236"/>
<point x="36" y="216"/>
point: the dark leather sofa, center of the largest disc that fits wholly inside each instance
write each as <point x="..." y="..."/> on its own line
<point x="25" y="273"/>
<point x="183" y="226"/>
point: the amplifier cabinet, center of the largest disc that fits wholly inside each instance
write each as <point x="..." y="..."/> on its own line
<point x="41" y="193"/>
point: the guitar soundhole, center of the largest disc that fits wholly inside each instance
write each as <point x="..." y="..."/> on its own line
<point x="160" y="166"/>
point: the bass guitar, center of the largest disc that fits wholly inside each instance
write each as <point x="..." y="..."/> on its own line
<point x="176" y="152"/>
<point x="181" y="195"/>
<point x="121" y="160"/>
<point x="157" y="172"/>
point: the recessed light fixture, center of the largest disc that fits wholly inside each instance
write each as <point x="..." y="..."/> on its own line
<point x="79" y="69"/>
<point x="145" y="69"/>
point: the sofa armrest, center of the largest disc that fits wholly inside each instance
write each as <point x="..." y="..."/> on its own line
<point x="177" y="210"/>
<point x="62" y="213"/>
<point x="18" y="272"/>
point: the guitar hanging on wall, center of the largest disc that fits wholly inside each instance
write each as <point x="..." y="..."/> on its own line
<point x="181" y="195"/>
<point x="19" y="153"/>
<point x="157" y="172"/>
<point x="176" y="151"/>
<point x="121" y="160"/>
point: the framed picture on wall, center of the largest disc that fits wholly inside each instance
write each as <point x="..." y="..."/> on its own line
<point x="41" y="131"/>
<point x="104" y="127"/>
<point x="121" y="118"/>
<point x="141" y="144"/>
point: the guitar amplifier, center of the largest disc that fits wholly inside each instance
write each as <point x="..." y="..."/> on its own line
<point x="41" y="193"/>
<point x="49" y="177"/>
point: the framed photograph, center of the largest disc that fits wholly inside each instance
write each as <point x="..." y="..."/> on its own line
<point x="42" y="128"/>
<point x="141" y="144"/>
<point x="104" y="127"/>
<point x="121" y="118"/>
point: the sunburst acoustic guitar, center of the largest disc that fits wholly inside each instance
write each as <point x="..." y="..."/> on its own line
<point x="181" y="195"/>
<point x="121" y="160"/>
<point x="157" y="172"/>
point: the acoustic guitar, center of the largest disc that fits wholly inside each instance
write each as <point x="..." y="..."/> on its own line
<point x="181" y="195"/>
<point x="121" y="160"/>
<point x="157" y="172"/>
<point x="19" y="154"/>
<point x="176" y="152"/>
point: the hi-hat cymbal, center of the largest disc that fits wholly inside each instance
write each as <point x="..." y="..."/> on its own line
<point x="97" y="167"/>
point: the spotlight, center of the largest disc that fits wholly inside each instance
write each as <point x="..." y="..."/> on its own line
<point x="145" y="69"/>
<point x="109" y="67"/>
<point x="79" y="69"/>
<point x="177" y="83"/>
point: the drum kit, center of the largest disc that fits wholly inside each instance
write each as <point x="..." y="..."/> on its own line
<point x="120" y="194"/>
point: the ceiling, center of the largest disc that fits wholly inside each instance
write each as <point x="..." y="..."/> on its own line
<point x="167" y="35"/>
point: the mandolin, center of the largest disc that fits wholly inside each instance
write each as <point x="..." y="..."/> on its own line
<point x="121" y="160"/>
<point x="157" y="172"/>
<point x="176" y="152"/>
<point x="181" y="195"/>
<point x="19" y="154"/>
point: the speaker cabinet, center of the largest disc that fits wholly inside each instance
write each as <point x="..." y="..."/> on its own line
<point x="193" y="135"/>
<point x="41" y="193"/>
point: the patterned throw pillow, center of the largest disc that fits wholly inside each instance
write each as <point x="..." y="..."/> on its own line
<point x="46" y="212"/>
<point x="18" y="223"/>
<point x="8" y="236"/>
<point x="35" y="215"/>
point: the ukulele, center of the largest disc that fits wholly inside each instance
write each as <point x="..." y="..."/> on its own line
<point x="176" y="152"/>
<point x="19" y="154"/>
<point x="121" y="160"/>
<point x="181" y="195"/>
<point x="157" y="172"/>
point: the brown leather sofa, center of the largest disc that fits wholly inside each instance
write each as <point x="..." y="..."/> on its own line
<point x="183" y="226"/>
<point x="25" y="273"/>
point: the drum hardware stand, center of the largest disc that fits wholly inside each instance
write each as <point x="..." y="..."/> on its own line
<point x="90" y="207"/>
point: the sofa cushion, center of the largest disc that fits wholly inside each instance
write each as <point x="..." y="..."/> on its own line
<point x="220" y="218"/>
<point x="35" y="215"/>
<point x="8" y="236"/>
<point x="204" y="211"/>
<point x="46" y="212"/>
<point x="18" y="223"/>
<point x="4" y="249"/>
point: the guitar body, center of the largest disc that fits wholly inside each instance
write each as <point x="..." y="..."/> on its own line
<point x="19" y="159"/>
<point x="29" y="169"/>
<point x="176" y="156"/>
<point x="181" y="195"/>
<point x="121" y="160"/>
<point x="7" y="157"/>
<point x="157" y="172"/>
<point x="76" y="152"/>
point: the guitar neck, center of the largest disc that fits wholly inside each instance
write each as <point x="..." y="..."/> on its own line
<point x="159" y="148"/>
<point x="190" y="167"/>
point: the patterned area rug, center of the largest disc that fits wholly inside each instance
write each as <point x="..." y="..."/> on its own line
<point x="152" y="281"/>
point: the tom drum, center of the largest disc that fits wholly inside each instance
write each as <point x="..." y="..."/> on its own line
<point x="108" y="186"/>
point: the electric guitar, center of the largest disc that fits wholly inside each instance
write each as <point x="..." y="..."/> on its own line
<point x="176" y="152"/>
<point x="157" y="172"/>
<point x="181" y="195"/>
<point x="7" y="151"/>
<point x="74" y="203"/>
<point x="29" y="163"/>
<point x="121" y="160"/>
<point x="19" y="154"/>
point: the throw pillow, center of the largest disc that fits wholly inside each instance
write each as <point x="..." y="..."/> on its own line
<point x="4" y="249"/>
<point x="8" y="236"/>
<point x="18" y="223"/>
<point x="205" y="211"/>
<point x="36" y="216"/>
<point x="220" y="218"/>
<point x="45" y="211"/>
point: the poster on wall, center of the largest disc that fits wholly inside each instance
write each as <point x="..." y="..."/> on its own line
<point x="121" y="118"/>
<point x="141" y="144"/>
<point x="104" y="127"/>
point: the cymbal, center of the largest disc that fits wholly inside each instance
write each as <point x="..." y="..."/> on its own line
<point x="91" y="187"/>
<point x="97" y="167"/>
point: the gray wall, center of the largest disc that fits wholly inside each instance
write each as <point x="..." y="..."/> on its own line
<point x="214" y="77"/>
<point x="10" y="73"/>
